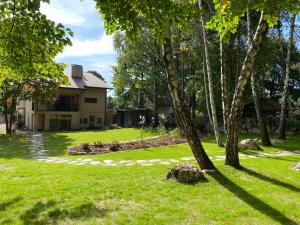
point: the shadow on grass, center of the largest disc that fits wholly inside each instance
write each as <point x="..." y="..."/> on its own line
<point x="252" y="200"/>
<point x="269" y="179"/>
<point x="50" y="213"/>
<point x="6" y="204"/>
<point x="56" y="144"/>
<point x="18" y="145"/>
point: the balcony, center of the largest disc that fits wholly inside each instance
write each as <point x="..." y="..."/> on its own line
<point x="66" y="108"/>
<point x="62" y="104"/>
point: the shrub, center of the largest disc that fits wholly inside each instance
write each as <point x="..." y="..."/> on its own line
<point x="86" y="147"/>
<point x="98" y="144"/>
<point x="114" y="146"/>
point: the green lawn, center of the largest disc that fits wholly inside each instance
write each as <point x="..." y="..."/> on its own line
<point x="265" y="191"/>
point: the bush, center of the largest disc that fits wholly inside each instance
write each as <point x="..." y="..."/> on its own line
<point x="114" y="146"/>
<point x="98" y="144"/>
<point x="86" y="147"/>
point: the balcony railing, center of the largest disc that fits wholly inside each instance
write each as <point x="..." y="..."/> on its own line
<point x="60" y="108"/>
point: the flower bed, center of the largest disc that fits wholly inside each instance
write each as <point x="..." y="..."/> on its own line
<point x="99" y="148"/>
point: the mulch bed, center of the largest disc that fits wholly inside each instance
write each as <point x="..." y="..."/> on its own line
<point x="99" y="148"/>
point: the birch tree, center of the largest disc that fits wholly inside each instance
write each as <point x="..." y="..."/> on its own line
<point x="210" y="80"/>
<point x="160" y="16"/>
<point x="226" y="21"/>
<point x="282" y="122"/>
<point x="264" y="134"/>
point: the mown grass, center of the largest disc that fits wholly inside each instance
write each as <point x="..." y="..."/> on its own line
<point x="265" y="191"/>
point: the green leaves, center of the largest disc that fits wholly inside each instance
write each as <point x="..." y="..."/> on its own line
<point x="229" y="12"/>
<point x="157" y="14"/>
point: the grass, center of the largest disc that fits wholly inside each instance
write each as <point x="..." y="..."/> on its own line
<point x="265" y="191"/>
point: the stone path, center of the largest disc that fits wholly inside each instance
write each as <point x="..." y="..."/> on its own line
<point x="38" y="152"/>
<point x="36" y="148"/>
<point x="150" y="162"/>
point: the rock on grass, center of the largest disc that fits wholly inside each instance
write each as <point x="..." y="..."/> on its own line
<point x="185" y="173"/>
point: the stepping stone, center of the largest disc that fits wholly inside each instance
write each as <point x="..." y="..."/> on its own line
<point x="72" y="162"/>
<point x="79" y="164"/>
<point x="125" y="161"/>
<point x="62" y="161"/>
<point x="186" y="158"/>
<point x="154" y="160"/>
<point x="86" y="160"/>
<point x="95" y="163"/>
<point x="110" y="164"/>
<point x="174" y="160"/>
<point x="107" y="161"/>
<point x="252" y="156"/>
<point x="146" y="164"/>
<point x="41" y="159"/>
<point x="141" y="161"/>
<point x="50" y="160"/>
<point x="164" y="163"/>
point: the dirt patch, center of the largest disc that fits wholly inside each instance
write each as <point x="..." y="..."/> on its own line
<point x="99" y="148"/>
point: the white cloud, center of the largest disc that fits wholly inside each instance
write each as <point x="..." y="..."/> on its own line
<point x="68" y="12"/>
<point x="60" y="15"/>
<point x="80" y="48"/>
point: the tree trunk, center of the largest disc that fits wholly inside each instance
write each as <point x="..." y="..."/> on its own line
<point x="282" y="122"/>
<point x="237" y="106"/>
<point x="206" y="92"/>
<point x="210" y="81"/>
<point x="224" y="85"/>
<point x="180" y="106"/>
<point x="264" y="134"/>
<point x="8" y="131"/>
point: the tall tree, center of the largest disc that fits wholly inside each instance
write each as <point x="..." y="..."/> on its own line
<point x="225" y="21"/>
<point x="282" y="122"/>
<point x="29" y="43"/>
<point x="224" y="84"/>
<point x="210" y="80"/>
<point x="264" y="134"/>
<point x="159" y="16"/>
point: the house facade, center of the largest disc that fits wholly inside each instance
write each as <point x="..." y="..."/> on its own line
<point x="79" y="105"/>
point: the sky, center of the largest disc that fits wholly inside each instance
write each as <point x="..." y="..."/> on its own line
<point x="91" y="48"/>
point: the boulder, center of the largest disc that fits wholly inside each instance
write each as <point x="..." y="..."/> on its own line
<point x="185" y="173"/>
<point x="248" y="144"/>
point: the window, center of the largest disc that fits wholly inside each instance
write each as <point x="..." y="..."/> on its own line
<point x="85" y="121"/>
<point x="90" y="100"/>
<point x="32" y="106"/>
<point x="60" y="122"/>
<point x="92" y="119"/>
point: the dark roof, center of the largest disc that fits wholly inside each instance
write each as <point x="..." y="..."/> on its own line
<point x="88" y="80"/>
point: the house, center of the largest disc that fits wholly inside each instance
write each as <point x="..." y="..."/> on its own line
<point x="81" y="104"/>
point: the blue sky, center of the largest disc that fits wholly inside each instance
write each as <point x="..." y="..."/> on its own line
<point x="92" y="48"/>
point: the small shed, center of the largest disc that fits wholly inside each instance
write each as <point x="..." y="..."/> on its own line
<point x="131" y="117"/>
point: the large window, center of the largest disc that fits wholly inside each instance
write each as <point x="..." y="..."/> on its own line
<point x="60" y="122"/>
<point x="90" y="100"/>
<point x="65" y="103"/>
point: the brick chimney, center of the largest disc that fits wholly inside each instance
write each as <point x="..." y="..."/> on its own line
<point x="77" y="71"/>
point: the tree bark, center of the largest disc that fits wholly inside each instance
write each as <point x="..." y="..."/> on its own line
<point x="282" y="122"/>
<point x="206" y="92"/>
<point x="237" y="106"/>
<point x="264" y="134"/>
<point x="224" y="85"/>
<point x="210" y="82"/>
<point x="181" y="107"/>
